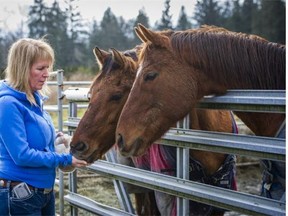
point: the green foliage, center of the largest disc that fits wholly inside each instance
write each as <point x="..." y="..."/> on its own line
<point x="270" y="22"/>
<point x="166" y="19"/>
<point x="109" y="34"/>
<point x="144" y="20"/>
<point x="74" y="41"/>
<point x="183" y="21"/>
<point x="208" y="12"/>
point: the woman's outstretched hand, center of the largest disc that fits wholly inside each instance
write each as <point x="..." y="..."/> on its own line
<point x="78" y="163"/>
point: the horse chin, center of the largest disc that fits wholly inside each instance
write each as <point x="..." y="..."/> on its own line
<point x="93" y="157"/>
<point x="88" y="158"/>
<point x="135" y="150"/>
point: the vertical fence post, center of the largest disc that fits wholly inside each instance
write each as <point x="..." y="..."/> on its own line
<point x="60" y="128"/>
<point x="73" y="176"/>
<point x="183" y="171"/>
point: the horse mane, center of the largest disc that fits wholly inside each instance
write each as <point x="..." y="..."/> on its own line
<point x="233" y="59"/>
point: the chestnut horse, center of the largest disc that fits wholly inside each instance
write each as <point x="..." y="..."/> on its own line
<point x="109" y="91"/>
<point x="177" y="71"/>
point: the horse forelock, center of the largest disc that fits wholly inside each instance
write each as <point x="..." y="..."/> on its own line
<point x="108" y="66"/>
<point x="234" y="59"/>
<point x="132" y="54"/>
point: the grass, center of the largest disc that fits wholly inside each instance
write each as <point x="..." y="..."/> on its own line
<point x="54" y="116"/>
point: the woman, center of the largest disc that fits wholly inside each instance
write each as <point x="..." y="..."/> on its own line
<point x="27" y="156"/>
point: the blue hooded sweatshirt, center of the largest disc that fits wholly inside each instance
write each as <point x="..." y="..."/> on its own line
<point x="27" y="140"/>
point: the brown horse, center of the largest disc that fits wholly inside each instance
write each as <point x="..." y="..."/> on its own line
<point x="97" y="126"/>
<point x="109" y="92"/>
<point x="176" y="71"/>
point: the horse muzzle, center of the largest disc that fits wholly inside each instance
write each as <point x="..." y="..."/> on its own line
<point x="78" y="149"/>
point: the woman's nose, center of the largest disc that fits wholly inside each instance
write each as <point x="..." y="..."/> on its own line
<point x="46" y="73"/>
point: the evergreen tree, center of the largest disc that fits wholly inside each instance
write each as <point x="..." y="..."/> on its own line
<point x="166" y="19"/>
<point x="239" y="17"/>
<point x="249" y="9"/>
<point x="37" y="18"/>
<point x="183" y="22"/>
<point x="235" y="22"/>
<point x="144" y="20"/>
<point x="110" y="33"/>
<point x="56" y="26"/>
<point x="208" y="12"/>
<point x="6" y="40"/>
<point x="2" y="56"/>
<point x="74" y="21"/>
<point x="93" y="42"/>
<point x="76" y="34"/>
<point x="271" y="22"/>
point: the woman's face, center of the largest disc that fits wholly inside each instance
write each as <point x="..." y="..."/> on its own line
<point x="38" y="74"/>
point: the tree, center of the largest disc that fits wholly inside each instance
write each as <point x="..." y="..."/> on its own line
<point x="93" y="42"/>
<point x="74" y="20"/>
<point x="166" y="19"/>
<point x="37" y="19"/>
<point x="208" y="12"/>
<point x="56" y="27"/>
<point x="110" y="33"/>
<point x="6" y="40"/>
<point x="270" y="22"/>
<point x="249" y="9"/>
<point x="183" y="22"/>
<point x="144" y="20"/>
<point x="3" y="54"/>
<point x="76" y="35"/>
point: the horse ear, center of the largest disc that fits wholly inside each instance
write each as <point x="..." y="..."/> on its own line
<point x="101" y="55"/>
<point x="118" y="57"/>
<point x="157" y="39"/>
<point x="140" y="35"/>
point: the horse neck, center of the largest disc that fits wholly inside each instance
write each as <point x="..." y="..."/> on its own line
<point x="236" y="61"/>
<point x="202" y="119"/>
<point x="262" y="124"/>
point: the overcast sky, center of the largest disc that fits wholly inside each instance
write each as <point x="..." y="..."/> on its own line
<point x="12" y="12"/>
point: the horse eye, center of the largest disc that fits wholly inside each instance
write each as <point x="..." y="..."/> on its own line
<point x="150" y="76"/>
<point x="115" y="97"/>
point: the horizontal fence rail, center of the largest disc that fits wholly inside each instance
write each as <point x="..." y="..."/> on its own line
<point x="237" y="100"/>
<point x="273" y="101"/>
<point x="223" y="198"/>
<point x="247" y="100"/>
<point x="261" y="147"/>
<point x="94" y="207"/>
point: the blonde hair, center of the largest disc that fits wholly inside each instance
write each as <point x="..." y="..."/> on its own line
<point x="22" y="55"/>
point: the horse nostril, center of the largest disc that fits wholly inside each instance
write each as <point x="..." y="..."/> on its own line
<point x="81" y="146"/>
<point x="120" y="141"/>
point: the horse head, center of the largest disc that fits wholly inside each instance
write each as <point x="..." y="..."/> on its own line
<point x="153" y="104"/>
<point x="94" y="135"/>
<point x="177" y="69"/>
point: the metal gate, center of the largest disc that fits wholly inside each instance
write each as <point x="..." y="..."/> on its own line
<point x="185" y="139"/>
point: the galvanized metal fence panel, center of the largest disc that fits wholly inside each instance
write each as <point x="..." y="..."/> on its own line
<point x="261" y="147"/>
